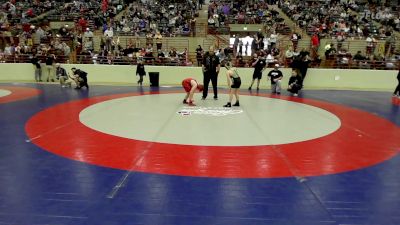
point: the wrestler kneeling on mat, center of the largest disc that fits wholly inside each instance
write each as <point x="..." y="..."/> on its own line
<point x="234" y="83"/>
<point x="190" y="85"/>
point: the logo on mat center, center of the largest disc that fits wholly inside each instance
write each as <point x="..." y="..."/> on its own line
<point x="208" y="111"/>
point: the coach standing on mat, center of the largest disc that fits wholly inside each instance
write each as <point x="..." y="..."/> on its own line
<point x="210" y="68"/>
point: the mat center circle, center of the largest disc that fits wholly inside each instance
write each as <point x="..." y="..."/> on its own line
<point x="4" y="92"/>
<point x="258" y="121"/>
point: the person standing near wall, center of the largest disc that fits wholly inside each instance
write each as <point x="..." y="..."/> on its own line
<point x="396" y="92"/>
<point x="276" y="78"/>
<point x="140" y="71"/>
<point x="303" y="67"/>
<point x="235" y="45"/>
<point x="210" y="66"/>
<point x="199" y="55"/>
<point x="259" y="66"/>
<point x="240" y="51"/>
<point x="38" y="69"/>
<point x="49" y="67"/>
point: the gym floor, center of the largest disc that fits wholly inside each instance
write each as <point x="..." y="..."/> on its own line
<point x="117" y="155"/>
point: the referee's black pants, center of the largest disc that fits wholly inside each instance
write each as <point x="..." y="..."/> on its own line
<point x="214" y="79"/>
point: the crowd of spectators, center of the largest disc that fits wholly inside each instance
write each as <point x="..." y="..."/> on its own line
<point x="243" y="12"/>
<point x="13" y="11"/>
<point x="332" y="19"/>
<point x="133" y="53"/>
<point x="150" y="17"/>
<point x="344" y="20"/>
<point x="34" y="36"/>
<point x="385" y="15"/>
<point x="100" y="13"/>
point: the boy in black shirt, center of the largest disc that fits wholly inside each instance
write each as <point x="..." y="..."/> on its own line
<point x="49" y="67"/>
<point x="295" y="82"/>
<point x="276" y="77"/>
<point x="259" y="66"/>
<point x="80" y="78"/>
<point x="38" y="69"/>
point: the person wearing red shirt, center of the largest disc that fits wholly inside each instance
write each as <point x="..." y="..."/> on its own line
<point x="82" y="23"/>
<point x="315" y="44"/>
<point x="190" y="85"/>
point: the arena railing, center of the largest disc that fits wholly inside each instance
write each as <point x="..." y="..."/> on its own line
<point x="334" y="62"/>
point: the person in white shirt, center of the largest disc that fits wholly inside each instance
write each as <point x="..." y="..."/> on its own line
<point x="39" y="34"/>
<point x="108" y="34"/>
<point x="66" y="49"/>
<point x="88" y="33"/>
<point x="273" y="38"/>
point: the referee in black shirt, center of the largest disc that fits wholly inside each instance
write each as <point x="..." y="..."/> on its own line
<point x="210" y="66"/>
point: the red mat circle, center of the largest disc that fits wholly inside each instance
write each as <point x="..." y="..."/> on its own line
<point x="18" y="93"/>
<point x="362" y="140"/>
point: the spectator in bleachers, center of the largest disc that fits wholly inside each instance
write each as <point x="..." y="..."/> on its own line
<point x="295" y="40"/>
<point x="116" y="45"/>
<point x="390" y="45"/>
<point x="82" y="24"/>
<point x="315" y="44"/>
<point x="173" y="55"/>
<point x="359" y="57"/>
<point x="192" y="22"/>
<point x="39" y="35"/>
<point x="108" y="35"/>
<point x="273" y="38"/>
<point x="88" y="33"/>
<point x="289" y="53"/>
<point x="88" y="45"/>
<point x="149" y="53"/>
<point x="329" y="50"/>
<point x="66" y="49"/>
<point x="371" y="45"/>
<point x="149" y="38"/>
<point x="158" y="38"/>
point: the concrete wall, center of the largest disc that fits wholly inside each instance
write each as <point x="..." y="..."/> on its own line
<point x="173" y="76"/>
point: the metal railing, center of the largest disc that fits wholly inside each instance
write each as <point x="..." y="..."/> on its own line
<point x="334" y="61"/>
